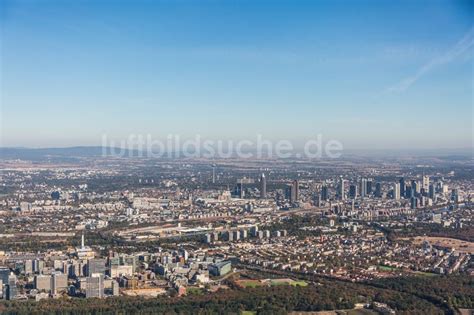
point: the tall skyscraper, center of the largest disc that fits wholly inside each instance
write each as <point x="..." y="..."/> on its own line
<point x="254" y="230"/>
<point x="353" y="192"/>
<point x="240" y="190"/>
<point x="415" y="185"/>
<point x="378" y="190"/>
<point x="288" y="191"/>
<point x="432" y="191"/>
<point x="411" y="191"/>
<point x="342" y="191"/>
<point x="455" y="195"/>
<point x="11" y="290"/>
<point x="295" y="191"/>
<point x="396" y="191"/>
<point x="363" y="187"/>
<point x="4" y="274"/>
<point x="369" y="187"/>
<point x="426" y="182"/>
<point x="324" y="192"/>
<point x="263" y="186"/>
<point x="402" y="187"/>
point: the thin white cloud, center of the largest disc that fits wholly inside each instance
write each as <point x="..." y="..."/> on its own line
<point x="452" y="54"/>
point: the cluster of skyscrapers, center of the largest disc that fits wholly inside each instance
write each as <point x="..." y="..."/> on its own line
<point x="415" y="190"/>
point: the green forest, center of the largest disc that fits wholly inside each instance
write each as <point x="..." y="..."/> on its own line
<point x="415" y="295"/>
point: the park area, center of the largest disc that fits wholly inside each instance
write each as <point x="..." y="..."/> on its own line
<point x="250" y="283"/>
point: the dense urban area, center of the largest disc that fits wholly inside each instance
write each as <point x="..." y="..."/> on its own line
<point x="356" y="235"/>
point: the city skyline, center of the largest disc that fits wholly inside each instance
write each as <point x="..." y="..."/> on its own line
<point x="236" y="157"/>
<point x="399" y="78"/>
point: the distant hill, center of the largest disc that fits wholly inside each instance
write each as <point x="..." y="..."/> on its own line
<point x="454" y="153"/>
<point x="38" y="154"/>
<point x="74" y="153"/>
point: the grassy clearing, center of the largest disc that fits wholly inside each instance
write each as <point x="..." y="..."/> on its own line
<point x="387" y="268"/>
<point x="274" y="282"/>
<point x="425" y="274"/>
<point x="249" y="283"/>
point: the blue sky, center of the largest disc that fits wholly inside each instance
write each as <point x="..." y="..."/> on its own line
<point x="371" y="74"/>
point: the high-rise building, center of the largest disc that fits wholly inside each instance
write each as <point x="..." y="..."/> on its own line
<point x="4" y="274"/>
<point x="396" y="191"/>
<point x="426" y="182"/>
<point x="213" y="174"/>
<point x="254" y="230"/>
<point x="363" y="187"/>
<point x="324" y="192"/>
<point x="413" y="202"/>
<point x="353" y="191"/>
<point x="236" y="235"/>
<point x="58" y="283"/>
<point x="295" y="192"/>
<point x="341" y="191"/>
<point x="432" y="192"/>
<point x="42" y="283"/>
<point x="415" y="185"/>
<point x="183" y="253"/>
<point x="28" y="267"/>
<point x="317" y="200"/>
<point x="263" y="186"/>
<point x="95" y="286"/>
<point x="115" y="288"/>
<point x="288" y="191"/>
<point x="38" y="265"/>
<point x="11" y="290"/>
<point x="454" y="195"/>
<point x="131" y="260"/>
<point x="378" y="190"/>
<point x="230" y="236"/>
<point x="409" y="192"/>
<point x="240" y="190"/>
<point x="402" y="187"/>
<point x="96" y="265"/>
<point x="422" y="201"/>
<point x="369" y="187"/>
<point x="292" y="191"/>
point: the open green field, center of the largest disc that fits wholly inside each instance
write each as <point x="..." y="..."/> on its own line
<point x="249" y="283"/>
<point x="387" y="268"/>
<point x="425" y="274"/>
<point x="291" y="282"/>
<point x="299" y="283"/>
<point x="273" y="282"/>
